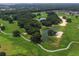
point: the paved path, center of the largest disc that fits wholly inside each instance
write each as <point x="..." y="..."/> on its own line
<point x="11" y="34"/>
<point x="25" y="38"/>
<point x="68" y="46"/>
<point x="5" y="32"/>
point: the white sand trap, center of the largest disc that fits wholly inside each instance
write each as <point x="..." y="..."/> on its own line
<point x="24" y="33"/>
<point x="64" y="23"/>
<point x="59" y="34"/>
<point x="1" y="24"/>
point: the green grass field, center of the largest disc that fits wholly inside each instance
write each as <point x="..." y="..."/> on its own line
<point x="18" y="46"/>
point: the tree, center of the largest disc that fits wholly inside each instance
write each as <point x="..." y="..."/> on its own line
<point x="27" y="15"/>
<point x="21" y="24"/>
<point x="52" y="18"/>
<point x="76" y="16"/>
<point x="64" y="17"/>
<point x="10" y="21"/>
<point x="36" y="40"/>
<point x="38" y="14"/>
<point x="51" y="32"/>
<point x="2" y="27"/>
<point x="46" y="23"/>
<point x="35" y="23"/>
<point x="37" y="34"/>
<point x="33" y="16"/>
<point x="31" y="30"/>
<point x="2" y="54"/>
<point x="8" y="18"/>
<point x="16" y="33"/>
<point x="5" y="17"/>
<point x="32" y="26"/>
<point x="50" y="13"/>
<point x="15" y="17"/>
<point x="69" y="20"/>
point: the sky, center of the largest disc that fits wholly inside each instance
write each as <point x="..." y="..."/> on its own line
<point x="39" y="1"/>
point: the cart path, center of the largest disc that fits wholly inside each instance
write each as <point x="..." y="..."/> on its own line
<point x="68" y="46"/>
<point x="47" y="50"/>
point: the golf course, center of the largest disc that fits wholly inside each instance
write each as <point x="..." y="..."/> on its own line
<point x="66" y="44"/>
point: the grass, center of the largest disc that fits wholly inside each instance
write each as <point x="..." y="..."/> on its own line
<point x="18" y="46"/>
<point x="42" y="15"/>
<point x="71" y="33"/>
<point x="12" y="45"/>
<point x="74" y="50"/>
<point x="10" y="48"/>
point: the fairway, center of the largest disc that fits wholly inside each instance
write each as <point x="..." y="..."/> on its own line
<point x="18" y="46"/>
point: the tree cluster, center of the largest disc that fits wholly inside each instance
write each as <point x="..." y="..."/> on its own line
<point x="31" y="26"/>
<point x="16" y="33"/>
<point x="51" y="32"/>
<point x="2" y="28"/>
<point x="52" y="18"/>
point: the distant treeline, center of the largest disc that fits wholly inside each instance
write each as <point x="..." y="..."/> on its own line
<point x="25" y="11"/>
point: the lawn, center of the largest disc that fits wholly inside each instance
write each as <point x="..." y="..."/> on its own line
<point x="18" y="46"/>
<point x="71" y="33"/>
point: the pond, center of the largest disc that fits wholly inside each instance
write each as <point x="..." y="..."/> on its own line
<point x="44" y="35"/>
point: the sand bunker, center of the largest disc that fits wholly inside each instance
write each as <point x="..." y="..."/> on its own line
<point x="59" y="34"/>
<point x="64" y="23"/>
<point x="24" y="33"/>
<point x="1" y="24"/>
